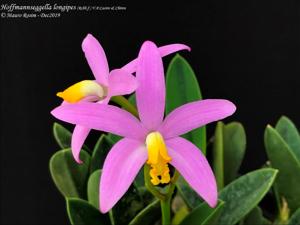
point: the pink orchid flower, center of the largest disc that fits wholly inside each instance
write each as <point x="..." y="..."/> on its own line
<point x="152" y="139"/>
<point x="107" y="84"/>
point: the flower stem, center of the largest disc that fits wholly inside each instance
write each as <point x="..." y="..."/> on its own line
<point x="173" y="184"/>
<point x="166" y="204"/>
<point x="166" y="211"/>
<point x="165" y="198"/>
<point x="122" y="101"/>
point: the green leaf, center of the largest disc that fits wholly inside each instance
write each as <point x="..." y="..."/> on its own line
<point x="182" y="87"/>
<point x="190" y="197"/>
<point x="148" y="215"/>
<point x="114" y="138"/>
<point x="93" y="188"/>
<point x="290" y="134"/>
<point x="102" y="147"/>
<point x="132" y="100"/>
<point x="295" y="218"/>
<point x="81" y="212"/>
<point x="127" y="207"/>
<point x="139" y="179"/>
<point x="243" y="194"/>
<point x="283" y="159"/>
<point x="218" y="155"/>
<point x="203" y="214"/>
<point x="234" y="139"/>
<point x="70" y="177"/>
<point x="255" y="217"/>
<point x="63" y="136"/>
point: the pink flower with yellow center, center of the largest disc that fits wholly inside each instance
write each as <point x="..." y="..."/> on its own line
<point x="153" y="139"/>
<point x="107" y="84"/>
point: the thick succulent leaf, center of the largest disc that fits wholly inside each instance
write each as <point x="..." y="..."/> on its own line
<point x="114" y="138"/>
<point x="243" y="194"/>
<point x="284" y="159"/>
<point x="290" y="134"/>
<point x="148" y="215"/>
<point x="102" y="147"/>
<point x="139" y="180"/>
<point x="218" y="155"/>
<point x="70" y="177"/>
<point x="295" y="218"/>
<point x="126" y="209"/>
<point x="182" y="87"/>
<point x="234" y="139"/>
<point x="203" y="214"/>
<point x="83" y="213"/>
<point x="132" y="100"/>
<point x="190" y="197"/>
<point x="93" y="188"/>
<point x="63" y="136"/>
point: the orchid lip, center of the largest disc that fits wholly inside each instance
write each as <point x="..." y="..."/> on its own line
<point x="86" y="89"/>
<point x="158" y="158"/>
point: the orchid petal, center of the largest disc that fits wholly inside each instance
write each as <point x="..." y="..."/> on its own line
<point x="105" y="100"/>
<point x="79" y="135"/>
<point x="101" y="117"/>
<point x="121" y="166"/>
<point x="195" y="114"/>
<point x="164" y="51"/>
<point x="96" y="58"/>
<point x="121" y="82"/>
<point x="193" y="166"/>
<point x="150" y="95"/>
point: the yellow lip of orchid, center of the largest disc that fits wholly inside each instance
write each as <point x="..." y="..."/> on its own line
<point x="158" y="159"/>
<point x="83" y="89"/>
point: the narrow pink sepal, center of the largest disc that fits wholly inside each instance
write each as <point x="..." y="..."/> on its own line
<point x="150" y="95"/>
<point x="79" y="135"/>
<point x="101" y="117"/>
<point x="193" y="166"/>
<point x="169" y="49"/>
<point x="164" y="51"/>
<point x="121" y="82"/>
<point x="195" y="114"/>
<point x="96" y="59"/>
<point x="121" y="166"/>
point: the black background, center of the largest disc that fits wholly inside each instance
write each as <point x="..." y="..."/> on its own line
<point x="245" y="51"/>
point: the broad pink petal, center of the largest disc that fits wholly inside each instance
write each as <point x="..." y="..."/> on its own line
<point x="121" y="82"/>
<point x="79" y="135"/>
<point x="193" y="166"/>
<point x="195" y="114"/>
<point x="150" y="95"/>
<point x="101" y="117"/>
<point x="96" y="58"/>
<point x="164" y="51"/>
<point x="121" y="166"/>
